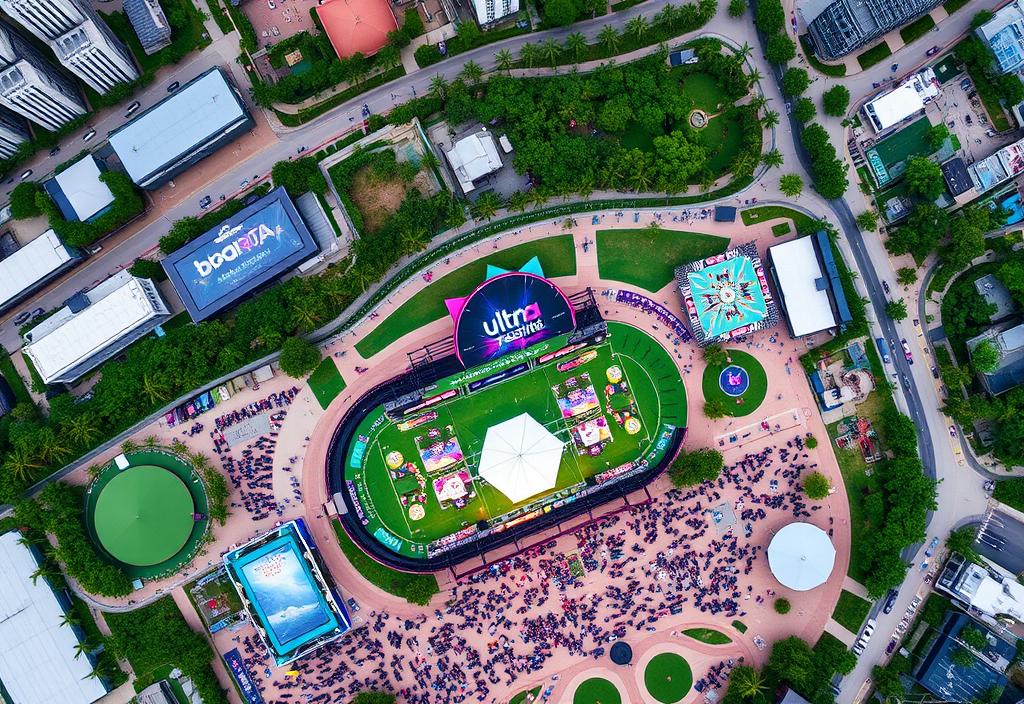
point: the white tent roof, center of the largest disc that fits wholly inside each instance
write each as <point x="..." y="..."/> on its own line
<point x="797" y="270"/>
<point x="37" y="653"/>
<point x="520" y="458"/>
<point x="801" y="556"/>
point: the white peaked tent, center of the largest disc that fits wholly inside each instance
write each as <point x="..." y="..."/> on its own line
<point x="520" y="458"/>
<point x="801" y="556"/>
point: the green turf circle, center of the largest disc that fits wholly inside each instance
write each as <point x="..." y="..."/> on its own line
<point x="668" y="677"/>
<point x="144" y="516"/>
<point x="596" y="690"/>
<point x="755" y="393"/>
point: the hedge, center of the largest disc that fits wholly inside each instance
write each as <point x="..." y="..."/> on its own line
<point x="873" y="55"/>
<point x="917" y="29"/>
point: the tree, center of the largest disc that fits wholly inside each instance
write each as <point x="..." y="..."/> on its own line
<point x="985" y="357"/>
<point x="795" y="81"/>
<point x="974" y="637"/>
<point x="748" y="683"/>
<point x="962" y="541"/>
<point x="676" y="160"/>
<point x="737" y="8"/>
<point x="772" y="159"/>
<point x="962" y="657"/>
<point x="559" y="13"/>
<point x="782" y="605"/>
<point x="867" y="221"/>
<point x="936" y="136"/>
<point x="804" y="110"/>
<point x="981" y="18"/>
<point x="299" y="357"/>
<point x="695" y="467"/>
<point x="888" y="682"/>
<point x="715" y="357"/>
<point x="770" y="119"/>
<point x="608" y="38"/>
<point x="504" y="60"/>
<point x="374" y="697"/>
<point x="906" y="275"/>
<point x="792" y="661"/>
<point x="770" y="18"/>
<point x="924" y="177"/>
<point x="791" y="185"/>
<point x="780" y="49"/>
<point x="576" y="44"/>
<point x="439" y="87"/>
<point x="471" y="72"/>
<point x="812" y="442"/>
<point x="23" y="200"/>
<point x="835" y="100"/>
<point x="897" y="309"/>
<point x="816" y="485"/>
<point x="530" y="54"/>
<point x="486" y="205"/>
<point x="638" y="27"/>
<point x="615" y="114"/>
<point x="926" y="225"/>
<point x="715" y="408"/>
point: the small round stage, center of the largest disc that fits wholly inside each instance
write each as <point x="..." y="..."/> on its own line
<point x="144" y="516"/>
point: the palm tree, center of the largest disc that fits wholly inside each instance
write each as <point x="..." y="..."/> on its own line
<point x="305" y="312"/>
<point x="608" y="38"/>
<point x="637" y="27"/>
<point x="551" y="50"/>
<point x="517" y="202"/>
<point x="151" y="441"/>
<point x="748" y="682"/>
<point x="772" y="159"/>
<point x="81" y="429"/>
<point x="471" y="72"/>
<point x="759" y="102"/>
<point x="155" y="387"/>
<point x="21" y="464"/>
<point x="438" y="87"/>
<point x="69" y="619"/>
<point x="415" y="239"/>
<point x="82" y="649"/>
<point x="576" y="44"/>
<point x="753" y="77"/>
<point x="45" y="570"/>
<point x="178" y="447"/>
<point x="639" y="180"/>
<point x="529" y="53"/>
<point x="504" y="60"/>
<point x="537" y="198"/>
<point x="388" y="56"/>
<point x="667" y="16"/>
<point x="128" y="447"/>
<point x="745" y="50"/>
<point x="51" y="448"/>
<point x="486" y="206"/>
<point x="200" y="462"/>
<point x="94" y="674"/>
<point x="770" y="119"/>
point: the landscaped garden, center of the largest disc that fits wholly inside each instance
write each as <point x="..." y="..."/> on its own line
<point x="804" y="224"/>
<point x="708" y="635"/>
<point x="326" y="382"/>
<point x="647" y="257"/>
<point x="596" y="690"/>
<point x="668" y="677"/>
<point x="746" y="397"/>
<point x="850" y="611"/>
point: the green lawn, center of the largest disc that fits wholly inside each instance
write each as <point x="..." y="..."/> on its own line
<point x="850" y="612"/>
<point x="521" y="697"/>
<point x="8" y="371"/>
<point x="739" y="626"/>
<point x="947" y="69"/>
<point x="722" y="137"/>
<point x="596" y="690"/>
<point x="873" y="55"/>
<point x="414" y="588"/>
<point x="917" y="29"/>
<point x="647" y="257"/>
<point x="951" y="6"/>
<point x="557" y="257"/>
<point x="755" y="391"/>
<point x="909" y="141"/>
<point x="704" y="91"/>
<point x="804" y="224"/>
<point x="326" y="382"/>
<point x="668" y="677"/>
<point x="708" y="635"/>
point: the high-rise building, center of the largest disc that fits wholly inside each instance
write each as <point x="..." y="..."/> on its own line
<point x="31" y="87"/>
<point x="13" y="132"/>
<point x="490" y="11"/>
<point x="838" y="27"/>
<point x="80" y="39"/>
<point x="150" y="24"/>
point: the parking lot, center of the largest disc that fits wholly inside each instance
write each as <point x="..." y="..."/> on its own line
<point x="965" y="116"/>
<point x="275" y="20"/>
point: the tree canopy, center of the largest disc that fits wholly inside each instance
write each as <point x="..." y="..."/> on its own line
<point x="695" y="467"/>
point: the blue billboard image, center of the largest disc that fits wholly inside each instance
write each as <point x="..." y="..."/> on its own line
<point x="509" y="312"/>
<point x="243" y="253"/>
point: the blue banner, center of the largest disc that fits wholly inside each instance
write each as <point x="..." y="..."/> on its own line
<point x="241" y="674"/>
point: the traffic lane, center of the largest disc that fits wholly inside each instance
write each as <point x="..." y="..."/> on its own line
<point x="1000" y="541"/>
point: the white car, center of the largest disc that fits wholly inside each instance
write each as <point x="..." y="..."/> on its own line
<point x="271" y="4"/>
<point x="858" y="647"/>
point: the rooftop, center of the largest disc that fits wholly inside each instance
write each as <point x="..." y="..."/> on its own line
<point x="357" y="26"/>
<point x="995" y="293"/>
<point x="903" y="101"/>
<point x="473" y="157"/>
<point x="958" y="180"/>
<point x="804" y="287"/>
<point x="32" y="263"/>
<point x="1004" y="33"/>
<point x="78" y="190"/>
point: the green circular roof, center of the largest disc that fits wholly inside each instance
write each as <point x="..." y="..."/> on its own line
<point x="144" y="515"/>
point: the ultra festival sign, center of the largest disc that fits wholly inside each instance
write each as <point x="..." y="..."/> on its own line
<point x="507" y="313"/>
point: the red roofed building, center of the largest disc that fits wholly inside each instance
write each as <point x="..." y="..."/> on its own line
<point x="357" y="25"/>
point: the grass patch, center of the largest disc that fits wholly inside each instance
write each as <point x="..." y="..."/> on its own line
<point x="783" y="228"/>
<point x="850" y="611"/>
<point x="834" y="70"/>
<point x="952" y="6"/>
<point x="557" y="257"/>
<point x="414" y="588"/>
<point x="910" y="141"/>
<point x="625" y="5"/>
<point x="804" y="224"/>
<point x="873" y="55"/>
<point x="668" y="677"/>
<point x="754" y="394"/>
<point x="326" y="382"/>
<point x="220" y="17"/>
<point x="521" y="697"/>
<point x="647" y="257"/>
<point x="596" y="690"/>
<point x="10" y="373"/>
<point x="917" y="29"/>
<point x="311" y="113"/>
<point x="739" y="626"/>
<point x="708" y="635"/>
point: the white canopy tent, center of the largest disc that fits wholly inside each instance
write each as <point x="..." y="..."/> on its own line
<point x="520" y="458"/>
<point x="801" y="556"/>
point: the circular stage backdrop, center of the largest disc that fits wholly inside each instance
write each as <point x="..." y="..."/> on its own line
<point x="510" y="312"/>
<point x="734" y="380"/>
<point x="143" y="516"/>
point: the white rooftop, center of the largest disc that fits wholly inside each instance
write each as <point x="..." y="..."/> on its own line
<point x="902" y="101"/>
<point x="117" y="306"/>
<point x="798" y="271"/>
<point x="32" y="263"/>
<point x="80" y="183"/>
<point x="801" y="556"/>
<point x="473" y="157"/>
<point x="520" y="458"/>
<point x="989" y="595"/>
<point x="37" y="653"/>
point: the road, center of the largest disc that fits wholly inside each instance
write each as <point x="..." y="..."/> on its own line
<point x="1000" y="540"/>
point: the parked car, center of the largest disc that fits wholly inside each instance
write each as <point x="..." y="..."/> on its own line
<point x="205" y="202"/>
<point x="55" y="151"/>
<point x="935" y="371"/>
<point x="894" y="68"/>
<point x="965" y="84"/>
<point x="352" y="604"/>
<point x="173" y="87"/>
<point x="25" y="174"/>
<point x="132" y="108"/>
<point x="906" y="351"/>
<point x="915" y="602"/>
<point x="890" y="601"/>
<point x="858" y="647"/>
<point x="869" y="630"/>
<point x="952" y="431"/>
<point x="271" y="4"/>
<point x="88" y="135"/>
<point x="933" y="51"/>
<point x="37" y="312"/>
<point x="885" y="287"/>
<point x="968" y="120"/>
<point x="891" y="647"/>
<point x="22" y="317"/>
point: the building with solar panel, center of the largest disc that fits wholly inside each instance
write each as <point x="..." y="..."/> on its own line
<point x="159" y="144"/>
<point x="838" y="27"/>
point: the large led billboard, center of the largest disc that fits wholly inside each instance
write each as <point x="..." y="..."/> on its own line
<point x="241" y="254"/>
<point x="507" y="313"/>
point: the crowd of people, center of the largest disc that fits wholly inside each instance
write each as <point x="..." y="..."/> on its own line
<point x="500" y="626"/>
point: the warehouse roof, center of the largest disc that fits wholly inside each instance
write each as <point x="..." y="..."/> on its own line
<point x="804" y="288"/>
<point x="31" y="264"/>
<point x="78" y="190"/>
<point x="37" y="653"/>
